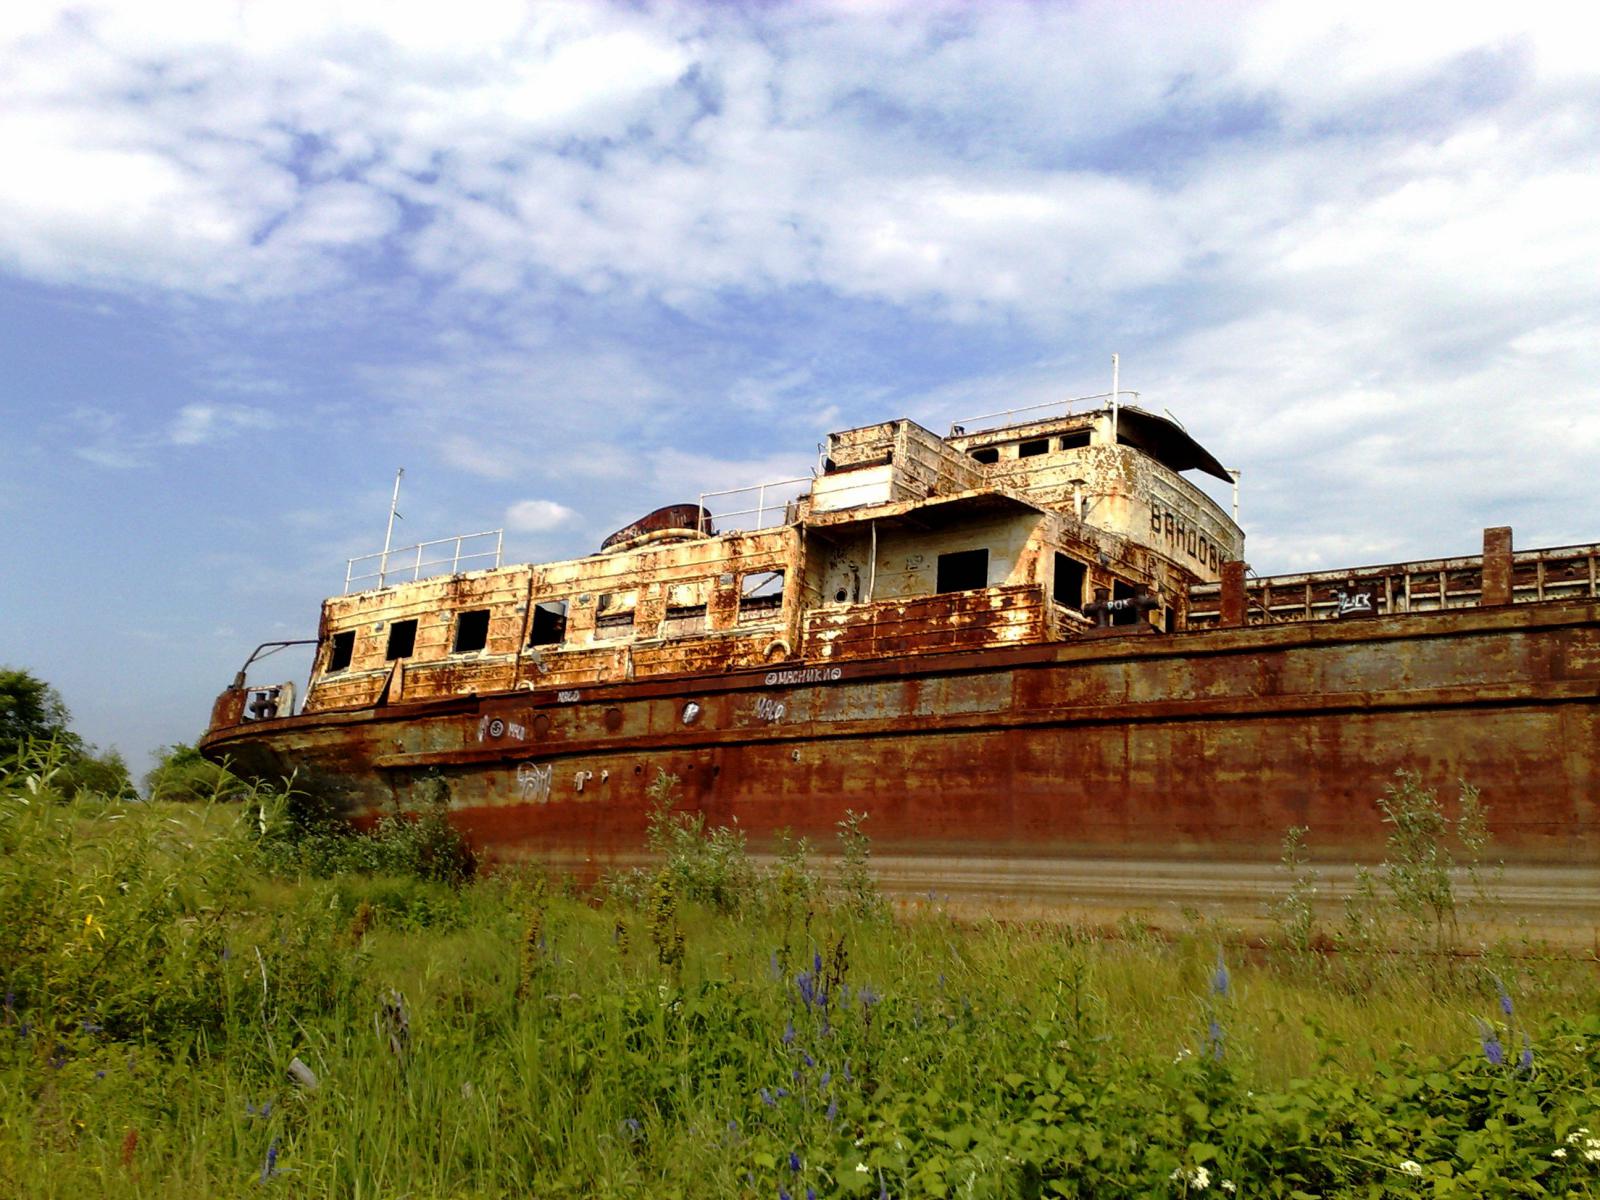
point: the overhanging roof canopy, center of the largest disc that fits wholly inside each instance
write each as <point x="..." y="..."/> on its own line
<point x="1167" y="442"/>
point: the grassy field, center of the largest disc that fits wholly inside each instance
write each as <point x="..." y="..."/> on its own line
<point x="201" y="1001"/>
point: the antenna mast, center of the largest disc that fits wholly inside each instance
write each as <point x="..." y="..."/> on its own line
<point x="1115" y="396"/>
<point x="388" y="536"/>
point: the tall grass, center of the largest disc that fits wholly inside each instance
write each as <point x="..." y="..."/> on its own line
<point x="506" y="1037"/>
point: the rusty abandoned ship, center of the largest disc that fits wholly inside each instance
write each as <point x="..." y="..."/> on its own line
<point x="1031" y="640"/>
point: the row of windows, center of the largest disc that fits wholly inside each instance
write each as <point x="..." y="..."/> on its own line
<point x="761" y="595"/>
<point x="1036" y="446"/>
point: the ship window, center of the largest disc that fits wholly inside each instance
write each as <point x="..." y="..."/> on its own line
<point x="760" y="595"/>
<point x="1124" y="591"/>
<point x="989" y="454"/>
<point x="1034" y="448"/>
<point x="1068" y="586"/>
<point x="614" y="615"/>
<point x="472" y="631"/>
<point x="963" y="570"/>
<point x="402" y="640"/>
<point x="681" y="620"/>
<point x="549" y="623"/>
<point x="1075" y="441"/>
<point x="341" y="650"/>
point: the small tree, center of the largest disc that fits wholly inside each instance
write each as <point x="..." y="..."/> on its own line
<point x="32" y="710"/>
<point x="182" y="774"/>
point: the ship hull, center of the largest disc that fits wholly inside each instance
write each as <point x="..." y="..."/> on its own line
<point x="1200" y="746"/>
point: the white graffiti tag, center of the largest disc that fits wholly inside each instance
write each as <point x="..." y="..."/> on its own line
<point x="533" y="782"/>
<point x="805" y="675"/>
<point x="768" y="709"/>
<point x="495" y="728"/>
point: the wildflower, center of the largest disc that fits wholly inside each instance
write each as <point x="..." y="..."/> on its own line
<point x="1577" y="1135"/>
<point x="270" y="1167"/>
<point x="1505" y="996"/>
<point x="1220" y="977"/>
<point x="99" y="1074"/>
<point x="827" y="1078"/>
<point x="788" y="1034"/>
<point x="807" y="1059"/>
<point x="794" y="1160"/>
<point x="1217" y="1036"/>
<point x="766" y="1098"/>
<point x="1493" y="1050"/>
<point x="91" y="1027"/>
<point x="1592" y="1154"/>
<point x="783" y="1195"/>
<point x="1407" y="1167"/>
<point x="833" y="1108"/>
<point x="1197" y="1178"/>
<point x="1227" y="1186"/>
<point x="807" y="988"/>
<point x="811" y="1192"/>
<point x="1559" y="1152"/>
<point x="863" y="1169"/>
<point x="1525" y="1059"/>
<point x="632" y="1125"/>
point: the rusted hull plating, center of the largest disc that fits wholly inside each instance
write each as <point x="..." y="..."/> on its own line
<point x="1198" y="745"/>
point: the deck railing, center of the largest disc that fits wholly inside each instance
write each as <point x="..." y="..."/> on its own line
<point x="1557" y="573"/>
<point x="397" y="562"/>
<point x="759" y="506"/>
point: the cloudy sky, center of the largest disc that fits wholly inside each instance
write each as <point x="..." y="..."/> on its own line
<point x="565" y="263"/>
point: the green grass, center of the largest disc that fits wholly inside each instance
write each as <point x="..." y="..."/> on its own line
<point x="546" y="1050"/>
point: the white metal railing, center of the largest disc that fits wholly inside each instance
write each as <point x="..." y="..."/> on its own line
<point x="999" y="420"/>
<point x="772" y="497"/>
<point x="392" y="562"/>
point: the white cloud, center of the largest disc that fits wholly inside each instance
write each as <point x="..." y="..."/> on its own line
<point x="537" y="516"/>
<point x="197" y="424"/>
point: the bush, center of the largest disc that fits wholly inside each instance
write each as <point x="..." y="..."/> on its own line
<point x="182" y="775"/>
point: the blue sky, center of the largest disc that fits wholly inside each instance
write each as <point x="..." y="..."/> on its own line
<point x="565" y="263"/>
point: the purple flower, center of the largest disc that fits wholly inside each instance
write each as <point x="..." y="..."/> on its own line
<point x="816" y="961"/>
<point x="811" y="1192"/>
<point x="1217" y="1037"/>
<point x="766" y="1098"/>
<point x="868" y="996"/>
<point x="807" y="988"/>
<point x="783" y="1195"/>
<point x="807" y="1059"/>
<point x="270" y="1167"/>
<point x="1505" y="996"/>
<point x="1493" y="1050"/>
<point x="788" y="1033"/>
<point x="833" y="1108"/>
<point x="102" y="1074"/>
<point x="772" y="966"/>
<point x="794" y="1160"/>
<point x="827" y="1078"/>
<point x="1525" y="1059"/>
<point x="1220" y="978"/>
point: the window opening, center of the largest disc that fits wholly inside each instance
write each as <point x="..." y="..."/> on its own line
<point x="613" y="619"/>
<point x="1034" y="448"/>
<point x="681" y="620"/>
<point x="1124" y="591"/>
<point x="472" y="631"/>
<point x="1067" y="588"/>
<point x="760" y="595"/>
<point x="989" y="454"/>
<point x="963" y="570"/>
<point x="549" y="623"/>
<point x="402" y="640"/>
<point x="343" y="648"/>
<point x="1075" y="441"/>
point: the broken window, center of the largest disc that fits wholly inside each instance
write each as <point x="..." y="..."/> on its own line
<point x="989" y="454"/>
<point x="472" y="631"/>
<point x="682" y="620"/>
<point x="549" y="623"/>
<point x="963" y="570"/>
<point x="760" y="596"/>
<point x="1067" y="589"/>
<point x="1124" y="591"/>
<point x="614" y="615"/>
<point x="402" y="640"/>
<point x="341" y="649"/>
<point x="1075" y="441"/>
<point x="1034" y="448"/>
